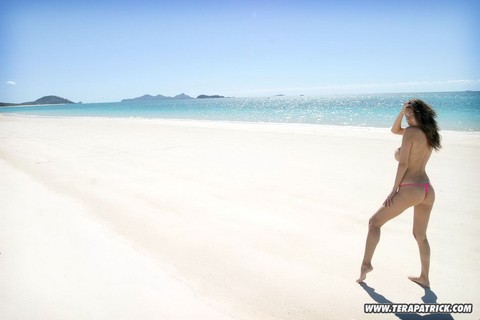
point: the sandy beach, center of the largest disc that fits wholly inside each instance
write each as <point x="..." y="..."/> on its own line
<point x="162" y="219"/>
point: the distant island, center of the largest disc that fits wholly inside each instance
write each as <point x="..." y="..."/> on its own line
<point x="160" y="97"/>
<point x="43" y="100"/>
<point x="204" y="96"/>
<point x="146" y="97"/>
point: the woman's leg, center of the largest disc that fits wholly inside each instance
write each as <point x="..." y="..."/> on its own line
<point x="405" y="198"/>
<point x="420" y="222"/>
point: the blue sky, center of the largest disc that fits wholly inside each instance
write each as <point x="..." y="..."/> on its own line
<point x="101" y="51"/>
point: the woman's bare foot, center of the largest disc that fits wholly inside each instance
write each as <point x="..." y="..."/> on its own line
<point x="366" y="268"/>
<point x="420" y="281"/>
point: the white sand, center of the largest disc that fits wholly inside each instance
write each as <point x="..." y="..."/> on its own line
<point x="158" y="219"/>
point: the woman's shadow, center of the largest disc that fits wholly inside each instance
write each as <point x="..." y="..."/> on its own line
<point x="429" y="298"/>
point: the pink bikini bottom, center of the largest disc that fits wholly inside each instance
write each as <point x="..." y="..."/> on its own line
<point x="425" y="186"/>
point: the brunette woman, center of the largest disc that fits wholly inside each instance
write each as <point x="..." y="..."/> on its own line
<point x="412" y="187"/>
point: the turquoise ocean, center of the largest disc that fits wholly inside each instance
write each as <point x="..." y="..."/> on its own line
<point x="457" y="111"/>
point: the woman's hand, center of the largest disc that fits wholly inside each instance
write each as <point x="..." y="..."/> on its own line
<point x="388" y="202"/>
<point x="397" y="125"/>
<point x="405" y="105"/>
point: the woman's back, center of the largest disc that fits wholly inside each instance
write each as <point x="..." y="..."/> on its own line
<point x="419" y="154"/>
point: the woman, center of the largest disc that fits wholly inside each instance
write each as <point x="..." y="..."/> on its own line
<point x="412" y="186"/>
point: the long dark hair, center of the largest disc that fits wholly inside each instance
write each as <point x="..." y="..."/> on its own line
<point x="425" y="117"/>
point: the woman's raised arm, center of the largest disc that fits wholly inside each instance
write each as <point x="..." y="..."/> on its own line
<point x="397" y="125"/>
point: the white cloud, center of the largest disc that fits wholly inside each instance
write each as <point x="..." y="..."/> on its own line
<point x="10" y="82"/>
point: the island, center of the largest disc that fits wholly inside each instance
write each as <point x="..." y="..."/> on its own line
<point x="42" y="100"/>
<point x="204" y="96"/>
<point x="158" y="97"/>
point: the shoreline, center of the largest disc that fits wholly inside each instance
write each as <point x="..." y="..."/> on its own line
<point x="192" y="219"/>
<point x="224" y="123"/>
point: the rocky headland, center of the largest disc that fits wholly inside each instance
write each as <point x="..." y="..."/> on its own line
<point x="42" y="100"/>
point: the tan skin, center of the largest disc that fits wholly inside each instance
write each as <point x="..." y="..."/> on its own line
<point x="412" y="159"/>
